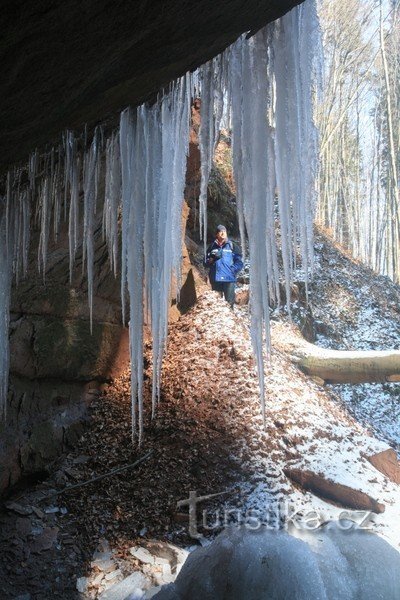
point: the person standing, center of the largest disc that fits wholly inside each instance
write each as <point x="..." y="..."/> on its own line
<point x="224" y="259"/>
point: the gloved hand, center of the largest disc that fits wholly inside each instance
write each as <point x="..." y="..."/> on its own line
<point x="216" y="254"/>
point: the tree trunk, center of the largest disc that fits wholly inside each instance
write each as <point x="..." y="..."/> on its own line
<point x="343" y="366"/>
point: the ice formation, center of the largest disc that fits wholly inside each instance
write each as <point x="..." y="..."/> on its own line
<point x="334" y="561"/>
<point x="213" y="87"/>
<point x="274" y="154"/>
<point x="5" y="290"/>
<point x="71" y="184"/>
<point x="265" y="83"/>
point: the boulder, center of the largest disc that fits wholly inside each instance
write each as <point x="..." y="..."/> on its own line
<point x="387" y="463"/>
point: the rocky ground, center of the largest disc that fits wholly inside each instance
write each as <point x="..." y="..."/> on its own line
<point x="311" y="460"/>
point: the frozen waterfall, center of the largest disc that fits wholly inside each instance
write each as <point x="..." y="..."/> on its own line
<point x="265" y="84"/>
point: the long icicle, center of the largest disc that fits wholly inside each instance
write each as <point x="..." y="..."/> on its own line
<point x="6" y="271"/>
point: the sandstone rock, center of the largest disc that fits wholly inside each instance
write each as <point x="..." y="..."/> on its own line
<point x="19" y="508"/>
<point x="387" y="463"/>
<point x="95" y="61"/>
<point x="113" y="575"/>
<point x="104" y="565"/>
<point x="142" y="554"/>
<point x="337" y="493"/>
<point x="134" y="583"/>
<point x="174" y="555"/>
<point x="82" y="584"/>
<point x="46" y="540"/>
<point x="242" y="296"/>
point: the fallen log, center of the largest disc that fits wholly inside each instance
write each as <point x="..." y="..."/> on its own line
<point x="340" y="366"/>
<point x="345" y="366"/>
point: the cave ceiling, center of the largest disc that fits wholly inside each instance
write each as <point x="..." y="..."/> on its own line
<point x="67" y="64"/>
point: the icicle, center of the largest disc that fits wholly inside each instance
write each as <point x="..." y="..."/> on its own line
<point x="6" y="271"/>
<point x="175" y="119"/>
<point x="283" y="116"/>
<point x="22" y="234"/>
<point x="90" y="167"/>
<point x="126" y="137"/>
<point x="135" y="263"/>
<point x="206" y="142"/>
<point x="153" y="150"/>
<point x="252" y="148"/>
<point x="112" y="199"/>
<point x="26" y="220"/>
<point x="233" y="57"/>
<point x="294" y="50"/>
<point x="55" y="192"/>
<point x="32" y="172"/>
<point x="71" y="183"/>
<point x="45" y="211"/>
<point x="310" y="53"/>
<point x="181" y="108"/>
<point x="5" y="284"/>
<point x="212" y="80"/>
<point x="154" y="221"/>
<point x="263" y="159"/>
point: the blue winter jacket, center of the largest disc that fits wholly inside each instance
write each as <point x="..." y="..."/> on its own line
<point x="226" y="268"/>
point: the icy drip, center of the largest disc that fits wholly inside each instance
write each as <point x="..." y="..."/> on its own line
<point x="14" y="242"/>
<point x="45" y="215"/>
<point x="213" y="84"/>
<point x="90" y="188"/>
<point x="294" y="47"/>
<point x="155" y="220"/>
<point x="252" y="158"/>
<point x="55" y="191"/>
<point x="296" y="142"/>
<point x="154" y="148"/>
<point x="72" y="184"/>
<point x="5" y="289"/>
<point x="132" y="254"/>
<point x="233" y="58"/>
<point x="112" y="199"/>
<point x="276" y="62"/>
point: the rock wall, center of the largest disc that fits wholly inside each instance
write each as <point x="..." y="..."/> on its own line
<point x="57" y="363"/>
<point x="221" y="197"/>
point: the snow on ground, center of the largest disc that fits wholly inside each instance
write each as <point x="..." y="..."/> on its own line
<point x="208" y="437"/>
<point x="357" y="309"/>
<point x="306" y="427"/>
<point x="377" y="406"/>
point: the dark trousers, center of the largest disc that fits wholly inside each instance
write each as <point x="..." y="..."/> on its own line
<point x="227" y="288"/>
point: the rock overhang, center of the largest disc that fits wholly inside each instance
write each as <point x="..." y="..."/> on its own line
<point x="68" y="64"/>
